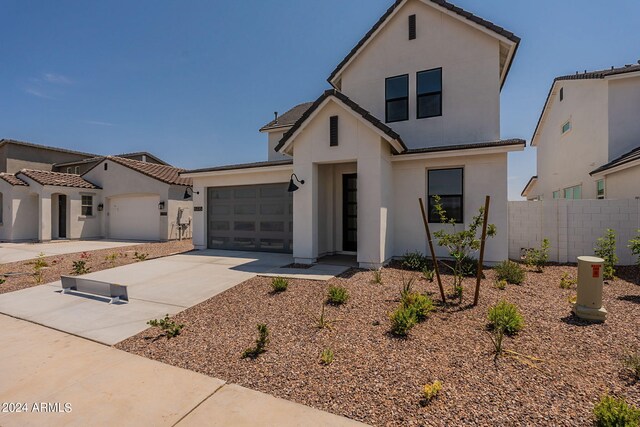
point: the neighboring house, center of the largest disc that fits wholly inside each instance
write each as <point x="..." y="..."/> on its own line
<point x="588" y="137"/>
<point x="18" y="155"/>
<point x="81" y="166"/>
<point x="414" y="112"/>
<point x="118" y="198"/>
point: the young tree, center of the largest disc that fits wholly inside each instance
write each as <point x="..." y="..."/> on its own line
<point x="634" y="245"/>
<point x="606" y="249"/>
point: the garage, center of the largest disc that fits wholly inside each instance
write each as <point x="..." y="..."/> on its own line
<point x="250" y="218"/>
<point x="134" y="218"/>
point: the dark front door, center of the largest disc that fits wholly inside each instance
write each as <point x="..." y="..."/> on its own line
<point x="350" y="212"/>
<point x="62" y="216"/>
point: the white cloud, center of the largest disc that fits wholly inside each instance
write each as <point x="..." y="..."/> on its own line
<point x="98" y="123"/>
<point x="37" y="92"/>
<point x="56" y="79"/>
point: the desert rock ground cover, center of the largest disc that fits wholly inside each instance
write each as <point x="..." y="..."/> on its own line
<point x="94" y="260"/>
<point x="378" y="378"/>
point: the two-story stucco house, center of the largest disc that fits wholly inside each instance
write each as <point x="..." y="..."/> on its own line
<point x="413" y="112"/>
<point x="588" y="137"/>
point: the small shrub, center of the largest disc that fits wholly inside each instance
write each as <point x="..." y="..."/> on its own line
<point x="322" y="321"/>
<point x="506" y="317"/>
<point x="111" y="258"/>
<point x="606" y="249"/>
<point x="326" y="357"/>
<point x="631" y="363"/>
<point x="614" y="412"/>
<point x="567" y="282"/>
<point x="261" y="343"/>
<point x="38" y="265"/>
<point x="634" y="245"/>
<point x="510" y="271"/>
<point x="501" y="284"/>
<point x="538" y="258"/>
<point x="458" y="293"/>
<point x="414" y="261"/>
<point x="169" y="327"/>
<point x="337" y="295"/>
<point x="572" y="299"/>
<point x="428" y="274"/>
<point x="279" y="284"/>
<point x="421" y="304"/>
<point x="469" y="266"/>
<point x="377" y="277"/>
<point x="2" y="281"/>
<point x="80" y="267"/>
<point x="497" y="337"/>
<point x="139" y="256"/>
<point x="430" y="391"/>
<point x="402" y="320"/>
<point x="407" y="285"/>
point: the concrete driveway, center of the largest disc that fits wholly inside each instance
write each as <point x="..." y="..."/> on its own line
<point x="12" y="252"/>
<point x="156" y="287"/>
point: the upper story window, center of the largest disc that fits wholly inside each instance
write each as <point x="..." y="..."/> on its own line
<point x="566" y="127"/>
<point x="448" y="184"/>
<point x="573" y="193"/>
<point x="397" y="98"/>
<point x="68" y="170"/>
<point x="77" y="170"/>
<point x="600" y="193"/>
<point x="429" y="93"/>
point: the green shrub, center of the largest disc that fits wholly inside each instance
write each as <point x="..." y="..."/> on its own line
<point x="421" y="304"/>
<point x="377" y="277"/>
<point x="614" y="412"/>
<point x="506" y="317"/>
<point x="111" y="258"/>
<point x="430" y="391"/>
<point x="337" y="295"/>
<point x="279" y="284"/>
<point x="326" y="357"/>
<point x="139" y="256"/>
<point x="606" y="249"/>
<point x="634" y="245"/>
<point x="38" y="265"/>
<point x="80" y="267"/>
<point x="261" y="343"/>
<point x="538" y="258"/>
<point x="407" y="285"/>
<point x="414" y="261"/>
<point x="428" y="274"/>
<point x="501" y="284"/>
<point x="402" y="320"/>
<point x="631" y="362"/>
<point x="566" y="282"/>
<point x="510" y="271"/>
<point x="322" y="321"/>
<point x="469" y="267"/>
<point x="169" y="328"/>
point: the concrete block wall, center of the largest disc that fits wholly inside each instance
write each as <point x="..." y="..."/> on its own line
<point x="572" y="226"/>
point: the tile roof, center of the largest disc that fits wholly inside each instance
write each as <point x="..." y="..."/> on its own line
<point x="624" y="159"/>
<point x="57" y="179"/>
<point x="351" y="104"/>
<point x="12" y="179"/>
<point x="472" y="146"/>
<point x="468" y="15"/>
<point x="289" y="118"/>
<point x="44" y="147"/>
<point x="164" y="173"/>
<point x="283" y="162"/>
<point x="143" y="153"/>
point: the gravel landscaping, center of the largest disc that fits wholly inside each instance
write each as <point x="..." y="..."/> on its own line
<point x="21" y="273"/>
<point x="378" y="378"/>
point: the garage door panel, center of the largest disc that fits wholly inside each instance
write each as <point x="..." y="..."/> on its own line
<point x="253" y="218"/>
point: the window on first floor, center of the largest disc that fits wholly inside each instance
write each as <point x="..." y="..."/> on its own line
<point x="87" y="206"/>
<point x="573" y="193"/>
<point x="556" y="194"/>
<point x="429" y="93"/>
<point x="397" y="98"/>
<point x="600" y="189"/>
<point x="448" y="184"/>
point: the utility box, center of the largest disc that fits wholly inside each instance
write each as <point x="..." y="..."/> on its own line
<point x="590" y="282"/>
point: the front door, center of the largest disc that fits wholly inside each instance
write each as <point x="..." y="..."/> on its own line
<point x="350" y="213"/>
<point x="62" y="216"/>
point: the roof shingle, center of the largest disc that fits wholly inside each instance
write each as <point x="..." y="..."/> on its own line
<point x="164" y="173"/>
<point x="471" y="146"/>
<point x="624" y="159"/>
<point x="289" y="118"/>
<point x="283" y="162"/>
<point x="12" y="179"/>
<point x="57" y="179"/>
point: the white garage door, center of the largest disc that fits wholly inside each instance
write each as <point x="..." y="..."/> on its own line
<point x="134" y="218"/>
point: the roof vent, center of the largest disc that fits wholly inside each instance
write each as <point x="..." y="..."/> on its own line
<point x="612" y="67"/>
<point x="275" y="113"/>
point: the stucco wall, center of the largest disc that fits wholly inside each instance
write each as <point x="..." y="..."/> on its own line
<point x="623" y="184"/>
<point x="470" y="76"/>
<point x="19" y="213"/>
<point x="26" y="157"/>
<point x="624" y="126"/>
<point x="483" y="175"/>
<point x="274" y="138"/>
<point x="572" y="226"/>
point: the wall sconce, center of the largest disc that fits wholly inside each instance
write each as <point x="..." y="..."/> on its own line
<point x="161" y="206"/>
<point x="187" y="196"/>
<point x="292" y="186"/>
<point x="100" y="207"/>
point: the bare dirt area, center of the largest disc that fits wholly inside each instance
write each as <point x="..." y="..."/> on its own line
<point x="378" y="378"/>
<point x="22" y="272"/>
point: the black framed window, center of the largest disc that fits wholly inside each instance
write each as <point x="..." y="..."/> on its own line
<point x="397" y="98"/>
<point x="448" y="184"/>
<point x="429" y="93"/>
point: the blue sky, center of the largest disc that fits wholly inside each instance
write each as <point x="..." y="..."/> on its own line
<point x="192" y="81"/>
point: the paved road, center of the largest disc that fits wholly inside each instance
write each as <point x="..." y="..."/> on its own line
<point x="12" y="252"/>
<point x="108" y="387"/>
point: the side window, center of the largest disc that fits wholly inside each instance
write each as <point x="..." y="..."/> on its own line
<point x="448" y="184"/>
<point x="566" y="127"/>
<point x="87" y="206"/>
<point x="397" y="98"/>
<point x="600" y="189"/>
<point x="429" y="93"/>
<point x="573" y="193"/>
<point x="556" y="194"/>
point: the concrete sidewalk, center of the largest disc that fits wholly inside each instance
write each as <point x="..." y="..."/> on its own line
<point x="105" y="386"/>
<point x="12" y="252"/>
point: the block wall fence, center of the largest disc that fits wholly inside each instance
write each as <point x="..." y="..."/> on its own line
<point x="572" y="226"/>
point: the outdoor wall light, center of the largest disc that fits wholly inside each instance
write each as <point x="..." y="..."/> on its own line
<point x="161" y="206"/>
<point x="187" y="195"/>
<point x="292" y="186"/>
<point x="100" y="207"/>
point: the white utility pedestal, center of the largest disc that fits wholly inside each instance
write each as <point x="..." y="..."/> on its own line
<point x="589" y="303"/>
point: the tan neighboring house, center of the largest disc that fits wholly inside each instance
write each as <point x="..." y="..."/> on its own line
<point x="588" y="137"/>
<point x="115" y="197"/>
<point x="413" y="112"/>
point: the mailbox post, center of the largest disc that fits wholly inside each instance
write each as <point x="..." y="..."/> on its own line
<point x="589" y="303"/>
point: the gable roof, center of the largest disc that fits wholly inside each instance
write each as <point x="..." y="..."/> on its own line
<point x="167" y="174"/>
<point x="43" y="147"/>
<point x="289" y="118"/>
<point x="57" y="179"/>
<point x="437" y="3"/>
<point x="12" y="179"/>
<point x="390" y="133"/>
<point x="143" y="153"/>
<point x="631" y="156"/>
<point x="529" y="185"/>
<point x="587" y="75"/>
